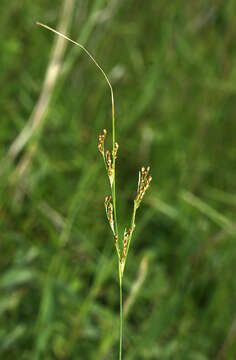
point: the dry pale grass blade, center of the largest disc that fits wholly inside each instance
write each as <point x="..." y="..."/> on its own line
<point x="142" y="274"/>
<point x="52" y="73"/>
<point x="37" y="117"/>
<point x="56" y="219"/>
<point x="218" y="218"/>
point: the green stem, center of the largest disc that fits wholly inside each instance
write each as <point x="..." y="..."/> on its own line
<point x="121" y="318"/>
<point x="115" y="216"/>
<point x="115" y="219"/>
<point x="114" y="165"/>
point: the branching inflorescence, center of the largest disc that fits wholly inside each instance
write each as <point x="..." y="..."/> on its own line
<point x="109" y="157"/>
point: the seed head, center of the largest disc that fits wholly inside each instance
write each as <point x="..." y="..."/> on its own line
<point x="101" y="140"/>
<point x="115" y="150"/>
<point x="109" y="211"/>
<point x="110" y="169"/>
<point x="143" y="184"/>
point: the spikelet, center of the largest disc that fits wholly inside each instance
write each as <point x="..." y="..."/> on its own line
<point x="124" y="252"/>
<point x="110" y="170"/>
<point x="101" y="140"/>
<point x="109" y="157"/>
<point x="109" y="211"/>
<point x="143" y="184"/>
<point x="115" y="151"/>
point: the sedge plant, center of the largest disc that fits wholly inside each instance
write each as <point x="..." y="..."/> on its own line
<point x="122" y="244"/>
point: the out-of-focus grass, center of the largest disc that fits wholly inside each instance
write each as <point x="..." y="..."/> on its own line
<point x="173" y="69"/>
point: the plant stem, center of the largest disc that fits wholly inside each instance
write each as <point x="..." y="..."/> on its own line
<point x="115" y="218"/>
<point x="114" y="163"/>
<point x="115" y="215"/>
<point x="121" y="318"/>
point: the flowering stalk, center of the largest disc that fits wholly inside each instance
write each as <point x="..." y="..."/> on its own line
<point x="110" y="207"/>
<point x="109" y="158"/>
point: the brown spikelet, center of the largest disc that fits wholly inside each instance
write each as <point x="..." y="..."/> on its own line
<point x="109" y="211"/>
<point x="143" y="184"/>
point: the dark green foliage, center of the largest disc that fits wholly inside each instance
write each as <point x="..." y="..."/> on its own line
<point x="172" y="66"/>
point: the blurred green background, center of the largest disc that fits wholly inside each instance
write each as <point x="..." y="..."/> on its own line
<point x="173" y="68"/>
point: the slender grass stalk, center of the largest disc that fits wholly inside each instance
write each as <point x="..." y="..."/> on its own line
<point x="121" y="317"/>
<point x="110" y="201"/>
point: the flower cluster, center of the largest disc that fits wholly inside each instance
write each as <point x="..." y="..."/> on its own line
<point x="109" y="211"/>
<point x="101" y="140"/>
<point x="108" y="157"/>
<point x="109" y="164"/>
<point x="115" y="150"/>
<point x="143" y="184"/>
<point x="126" y="241"/>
